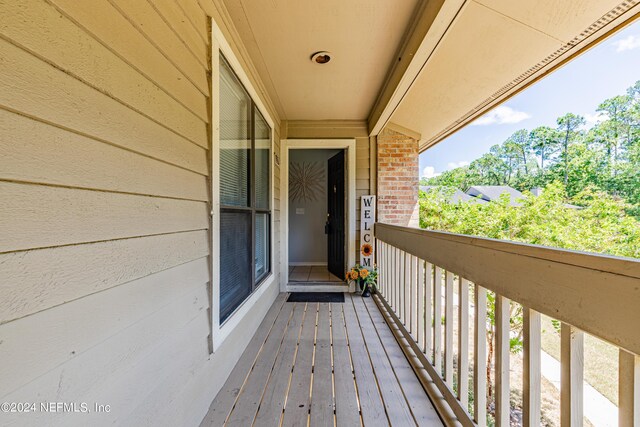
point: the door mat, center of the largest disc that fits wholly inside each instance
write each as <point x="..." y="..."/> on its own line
<point x="316" y="297"/>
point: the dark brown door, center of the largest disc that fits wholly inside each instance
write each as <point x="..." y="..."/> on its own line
<point x="336" y="215"/>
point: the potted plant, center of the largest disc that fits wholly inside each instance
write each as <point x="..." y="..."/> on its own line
<point x="366" y="280"/>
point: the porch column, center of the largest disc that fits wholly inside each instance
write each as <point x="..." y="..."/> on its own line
<point x="398" y="179"/>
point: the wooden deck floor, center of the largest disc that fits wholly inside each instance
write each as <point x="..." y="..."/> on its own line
<point x="322" y="364"/>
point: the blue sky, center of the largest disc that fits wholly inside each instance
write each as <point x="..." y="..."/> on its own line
<point x="602" y="72"/>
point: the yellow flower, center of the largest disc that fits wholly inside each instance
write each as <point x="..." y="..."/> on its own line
<point x="347" y="275"/>
<point x="364" y="273"/>
<point x="354" y="274"/>
<point x="367" y="249"/>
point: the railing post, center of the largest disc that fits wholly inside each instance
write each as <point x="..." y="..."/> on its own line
<point x="421" y="319"/>
<point x="572" y="363"/>
<point x="480" y="357"/>
<point x="415" y="284"/>
<point x="628" y="389"/>
<point x="448" y="330"/>
<point x="428" y="311"/>
<point x="437" y="320"/>
<point x="502" y="361"/>
<point x="394" y="278"/>
<point x="463" y="342"/>
<point x="408" y="286"/>
<point x="531" y="364"/>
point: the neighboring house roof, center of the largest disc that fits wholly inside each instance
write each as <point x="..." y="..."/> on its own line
<point x="493" y="192"/>
<point x="452" y="194"/>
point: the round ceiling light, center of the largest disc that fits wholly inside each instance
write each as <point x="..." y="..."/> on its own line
<point x="321" y="57"/>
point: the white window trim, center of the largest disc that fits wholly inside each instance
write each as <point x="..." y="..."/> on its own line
<point x="220" y="332"/>
<point x="349" y="145"/>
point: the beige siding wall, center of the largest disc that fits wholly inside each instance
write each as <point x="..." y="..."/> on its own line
<point x="104" y="219"/>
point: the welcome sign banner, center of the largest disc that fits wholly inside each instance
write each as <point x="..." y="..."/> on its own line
<point x="367" y="219"/>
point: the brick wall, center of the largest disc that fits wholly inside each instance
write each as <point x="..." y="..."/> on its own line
<point x="398" y="179"/>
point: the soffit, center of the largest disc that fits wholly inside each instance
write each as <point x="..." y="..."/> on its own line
<point x="491" y="46"/>
<point x="362" y="35"/>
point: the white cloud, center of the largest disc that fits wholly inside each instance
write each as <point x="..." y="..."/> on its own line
<point x="592" y="119"/>
<point x="453" y="165"/>
<point x="429" y="172"/>
<point x="501" y="115"/>
<point x="629" y="43"/>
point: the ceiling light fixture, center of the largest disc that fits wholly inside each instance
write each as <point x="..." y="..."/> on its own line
<point x="321" y="57"/>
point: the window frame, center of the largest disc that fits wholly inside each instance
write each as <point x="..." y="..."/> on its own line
<point x="252" y="192"/>
<point x="220" y="331"/>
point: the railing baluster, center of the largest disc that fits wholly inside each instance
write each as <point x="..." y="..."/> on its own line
<point x="628" y="389"/>
<point x="407" y="291"/>
<point x="502" y="361"/>
<point x="376" y="258"/>
<point x="398" y="299"/>
<point x="414" y="297"/>
<point x="480" y="357"/>
<point x="394" y="279"/>
<point x="448" y="330"/>
<point x="403" y="287"/>
<point x="463" y="342"/>
<point x="428" y="311"/>
<point x="531" y="367"/>
<point x="437" y="320"/>
<point x="385" y="260"/>
<point x="571" y="366"/>
<point x="420" y="317"/>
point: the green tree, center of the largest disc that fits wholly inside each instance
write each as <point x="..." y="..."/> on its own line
<point x="544" y="142"/>
<point x="568" y="126"/>
<point x="606" y="156"/>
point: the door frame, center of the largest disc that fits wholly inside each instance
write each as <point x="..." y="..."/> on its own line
<point x="349" y="145"/>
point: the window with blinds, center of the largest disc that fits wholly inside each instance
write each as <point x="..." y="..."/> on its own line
<point x="245" y="215"/>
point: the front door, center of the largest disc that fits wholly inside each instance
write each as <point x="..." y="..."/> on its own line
<point x="335" y="215"/>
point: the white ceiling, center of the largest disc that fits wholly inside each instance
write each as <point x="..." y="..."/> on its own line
<point x="474" y="55"/>
<point x="362" y="35"/>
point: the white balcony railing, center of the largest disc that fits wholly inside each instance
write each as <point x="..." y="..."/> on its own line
<point x="589" y="293"/>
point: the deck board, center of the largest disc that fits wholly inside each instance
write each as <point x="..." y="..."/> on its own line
<point x="247" y="404"/>
<point x="322" y="392"/>
<point x="371" y="402"/>
<point x="323" y="365"/>
<point x="345" y="387"/>
<point x="298" y="397"/>
<point x="394" y="401"/>
<point x="420" y="405"/>
<point x="223" y="403"/>
<point x="273" y="400"/>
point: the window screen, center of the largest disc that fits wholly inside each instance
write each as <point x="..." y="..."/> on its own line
<point x="245" y="216"/>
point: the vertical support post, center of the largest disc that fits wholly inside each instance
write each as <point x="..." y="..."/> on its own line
<point x="401" y="284"/>
<point x="571" y="377"/>
<point x="408" y="286"/>
<point x="532" y="367"/>
<point x="437" y="320"/>
<point x="394" y="278"/>
<point x="628" y="389"/>
<point x="428" y="311"/>
<point x="414" y="297"/>
<point x="377" y="260"/>
<point x="385" y="261"/>
<point x="463" y="342"/>
<point x="421" y="302"/>
<point x="502" y="361"/>
<point x="480" y="356"/>
<point x="448" y="330"/>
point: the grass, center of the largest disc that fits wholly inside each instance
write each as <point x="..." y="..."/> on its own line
<point x="600" y="360"/>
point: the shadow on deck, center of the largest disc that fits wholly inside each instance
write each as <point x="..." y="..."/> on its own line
<point x="322" y="364"/>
